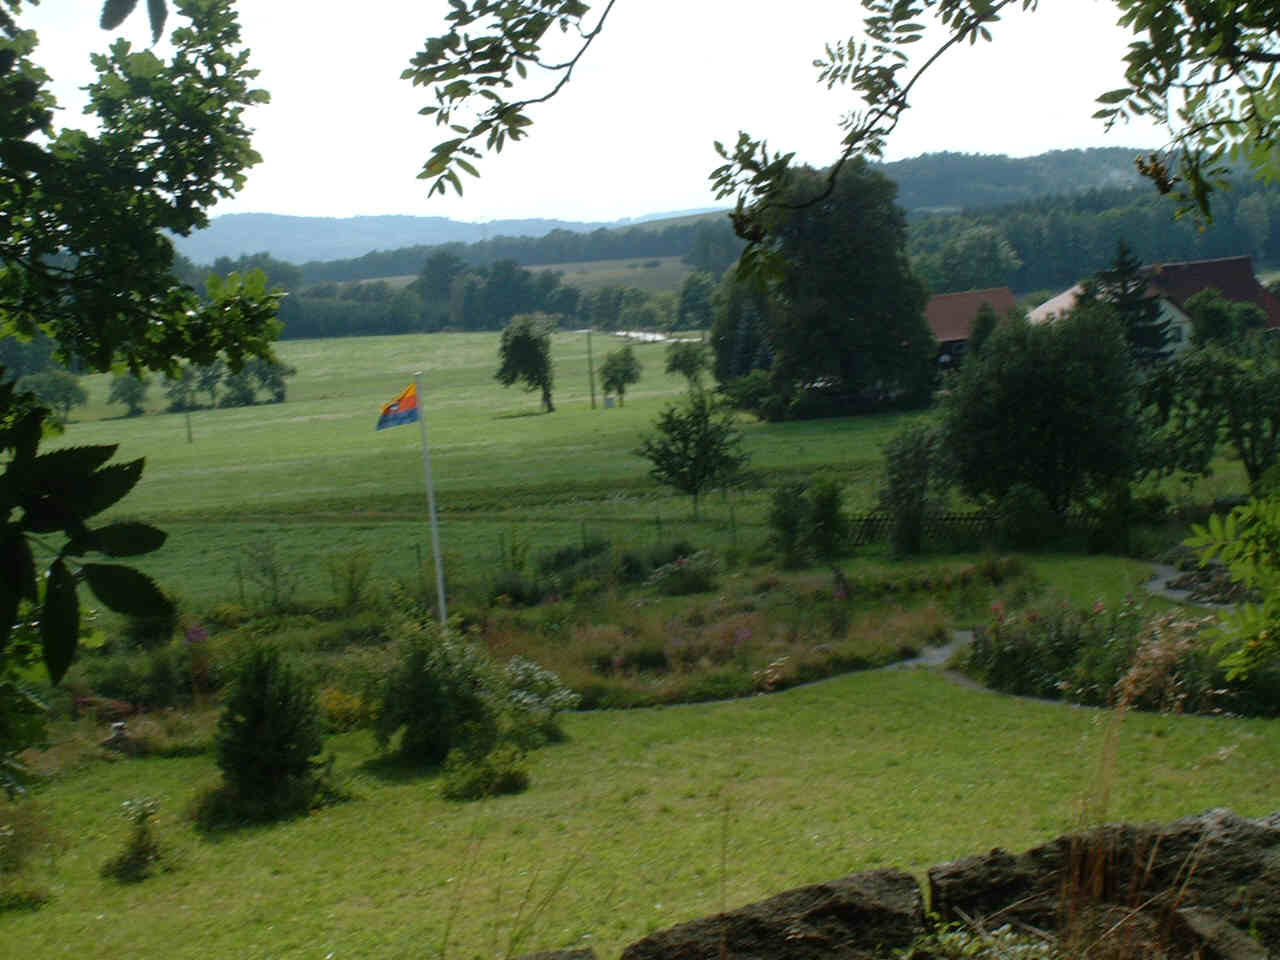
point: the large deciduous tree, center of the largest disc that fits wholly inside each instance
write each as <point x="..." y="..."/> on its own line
<point x="524" y="354"/>
<point x="1050" y="406"/>
<point x="848" y="313"/>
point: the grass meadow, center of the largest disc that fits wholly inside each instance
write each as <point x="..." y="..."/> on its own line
<point x="641" y="818"/>
<point x="314" y="474"/>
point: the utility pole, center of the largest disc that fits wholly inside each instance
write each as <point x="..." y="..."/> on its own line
<point x="591" y="371"/>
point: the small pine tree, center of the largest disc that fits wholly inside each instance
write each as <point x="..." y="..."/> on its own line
<point x="268" y="738"/>
<point x="1124" y="287"/>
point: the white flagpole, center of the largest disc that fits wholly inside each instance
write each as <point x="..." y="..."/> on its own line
<point x="431" y="500"/>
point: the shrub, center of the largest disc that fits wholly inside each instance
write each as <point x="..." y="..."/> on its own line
<point x="343" y="711"/>
<point x="913" y="475"/>
<point x="828" y="531"/>
<point x="692" y="574"/>
<point x="149" y="632"/>
<point x="142" y="852"/>
<point x="566" y="557"/>
<point x="1024" y="518"/>
<point x="469" y="776"/>
<point x="156" y="679"/>
<point x="789" y="521"/>
<point x="349" y="574"/>
<point x="636" y="566"/>
<point x="536" y="696"/>
<point x="268" y="738"/>
<point x="443" y="694"/>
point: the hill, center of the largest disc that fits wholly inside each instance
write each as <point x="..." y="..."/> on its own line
<point x="932" y="182"/>
<point x="303" y="239"/>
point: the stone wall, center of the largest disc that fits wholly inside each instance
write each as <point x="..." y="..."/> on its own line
<point x="1206" y="886"/>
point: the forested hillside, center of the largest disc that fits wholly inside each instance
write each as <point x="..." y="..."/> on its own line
<point x="971" y="181"/>
<point x="1051" y="242"/>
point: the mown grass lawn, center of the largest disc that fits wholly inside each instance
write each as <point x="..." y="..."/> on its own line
<point x="626" y="824"/>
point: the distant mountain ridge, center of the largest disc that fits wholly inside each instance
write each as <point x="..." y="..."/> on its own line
<point x="930" y="182"/>
<point x="304" y="239"/>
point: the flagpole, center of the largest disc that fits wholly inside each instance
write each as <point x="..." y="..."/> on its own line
<point x="431" y="500"/>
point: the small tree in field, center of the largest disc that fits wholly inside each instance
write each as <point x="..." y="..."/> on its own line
<point x="619" y="370"/>
<point x="525" y="354"/>
<point x="689" y="359"/>
<point x="129" y="390"/>
<point x="696" y="446"/>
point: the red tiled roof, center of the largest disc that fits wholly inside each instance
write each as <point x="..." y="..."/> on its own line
<point x="951" y="315"/>
<point x="1231" y="276"/>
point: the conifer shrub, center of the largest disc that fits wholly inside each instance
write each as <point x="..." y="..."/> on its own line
<point x="267" y="745"/>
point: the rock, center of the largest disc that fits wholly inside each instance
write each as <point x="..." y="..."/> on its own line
<point x="858" y="917"/>
<point x="1225" y="867"/>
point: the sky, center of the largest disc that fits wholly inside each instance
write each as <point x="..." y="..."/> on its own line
<point x="632" y="134"/>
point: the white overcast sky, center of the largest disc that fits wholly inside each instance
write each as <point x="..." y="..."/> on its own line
<point x="632" y="134"/>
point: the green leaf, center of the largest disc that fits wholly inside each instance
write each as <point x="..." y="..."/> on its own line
<point x="158" y="11"/>
<point x="114" y="13"/>
<point x="71" y="465"/>
<point x="59" y="620"/>
<point x="111" y="484"/>
<point x="1115" y="96"/>
<point x="125" y="539"/>
<point x="17" y="566"/>
<point x="126" y="590"/>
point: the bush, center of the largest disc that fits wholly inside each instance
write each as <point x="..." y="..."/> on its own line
<point x="692" y="574"/>
<point x="443" y="694"/>
<point x="469" y="776"/>
<point x="158" y="678"/>
<point x="636" y="566"/>
<point x="147" y="633"/>
<point x="828" y="532"/>
<point x="268" y="738"/>
<point x="913" y="476"/>
<point x="536" y="696"/>
<point x="1024" y="518"/>
<point x="789" y="521"/>
<point x="1113" y="657"/>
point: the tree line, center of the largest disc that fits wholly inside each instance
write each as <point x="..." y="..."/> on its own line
<point x="1050" y="242"/>
<point x="708" y="244"/>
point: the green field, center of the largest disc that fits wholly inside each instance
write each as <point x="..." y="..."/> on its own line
<point x="314" y="472"/>
<point x="650" y="274"/>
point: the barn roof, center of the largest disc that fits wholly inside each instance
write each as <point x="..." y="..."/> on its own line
<point x="951" y="315"/>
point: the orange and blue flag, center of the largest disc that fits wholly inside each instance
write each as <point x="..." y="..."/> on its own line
<point x="403" y="409"/>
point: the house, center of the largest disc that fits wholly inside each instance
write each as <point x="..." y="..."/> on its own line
<point x="1175" y="283"/>
<point x="951" y="316"/>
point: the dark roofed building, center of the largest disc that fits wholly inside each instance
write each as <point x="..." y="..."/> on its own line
<point x="1231" y="276"/>
<point x="951" y="316"/>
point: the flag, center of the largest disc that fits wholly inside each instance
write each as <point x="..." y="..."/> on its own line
<point x="403" y="409"/>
